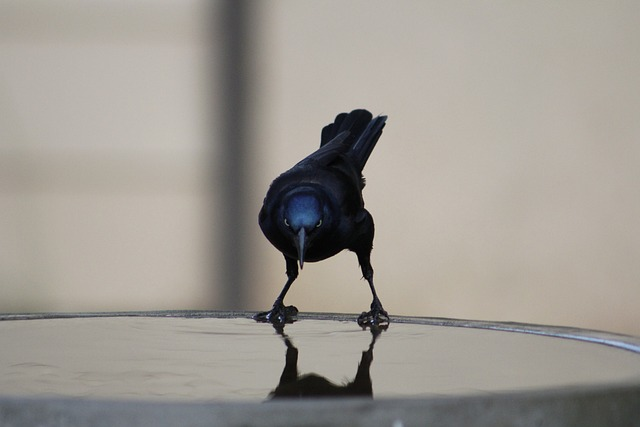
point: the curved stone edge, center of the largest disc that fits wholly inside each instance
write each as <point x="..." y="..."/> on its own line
<point x="621" y="341"/>
<point x="610" y="406"/>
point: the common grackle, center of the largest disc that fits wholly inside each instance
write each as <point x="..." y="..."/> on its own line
<point x="315" y="209"/>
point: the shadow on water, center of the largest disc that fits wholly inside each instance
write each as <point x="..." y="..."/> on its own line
<point x="294" y="385"/>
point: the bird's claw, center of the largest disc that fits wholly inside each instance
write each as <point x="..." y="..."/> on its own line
<point x="278" y="315"/>
<point x="377" y="318"/>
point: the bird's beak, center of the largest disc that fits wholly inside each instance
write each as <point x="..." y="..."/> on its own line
<point x="300" y="246"/>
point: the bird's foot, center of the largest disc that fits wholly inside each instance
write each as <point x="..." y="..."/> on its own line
<point x="278" y="315"/>
<point x="376" y="319"/>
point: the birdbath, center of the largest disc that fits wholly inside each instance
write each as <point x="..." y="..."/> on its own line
<point x="200" y="368"/>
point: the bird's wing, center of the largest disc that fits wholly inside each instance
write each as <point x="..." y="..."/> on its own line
<point x="328" y="152"/>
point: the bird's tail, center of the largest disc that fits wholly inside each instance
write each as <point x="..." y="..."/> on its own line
<point x="364" y="133"/>
<point x="366" y="142"/>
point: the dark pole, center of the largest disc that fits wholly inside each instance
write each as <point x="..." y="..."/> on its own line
<point x="233" y="38"/>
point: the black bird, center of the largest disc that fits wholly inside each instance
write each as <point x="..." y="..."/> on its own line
<point x="315" y="209"/>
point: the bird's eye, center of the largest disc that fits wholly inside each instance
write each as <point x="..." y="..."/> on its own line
<point x="286" y="222"/>
<point x="319" y="224"/>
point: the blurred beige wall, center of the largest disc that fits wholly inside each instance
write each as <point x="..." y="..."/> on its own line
<point x="505" y="186"/>
<point x="103" y="148"/>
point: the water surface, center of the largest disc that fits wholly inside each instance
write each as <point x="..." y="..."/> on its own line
<point x="236" y="359"/>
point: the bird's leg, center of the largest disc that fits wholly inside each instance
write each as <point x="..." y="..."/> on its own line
<point x="377" y="317"/>
<point x="279" y="314"/>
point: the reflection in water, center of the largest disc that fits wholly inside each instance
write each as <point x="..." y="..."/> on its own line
<point x="294" y="385"/>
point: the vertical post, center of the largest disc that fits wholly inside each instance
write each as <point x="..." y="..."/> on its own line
<point x="233" y="38"/>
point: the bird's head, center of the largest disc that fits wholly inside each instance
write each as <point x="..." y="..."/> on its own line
<point x="303" y="217"/>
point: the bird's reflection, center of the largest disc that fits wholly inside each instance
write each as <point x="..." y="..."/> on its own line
<point x="294" y="385"/>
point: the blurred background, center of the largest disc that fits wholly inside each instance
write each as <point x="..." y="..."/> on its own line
<point x="138" y="138"/>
